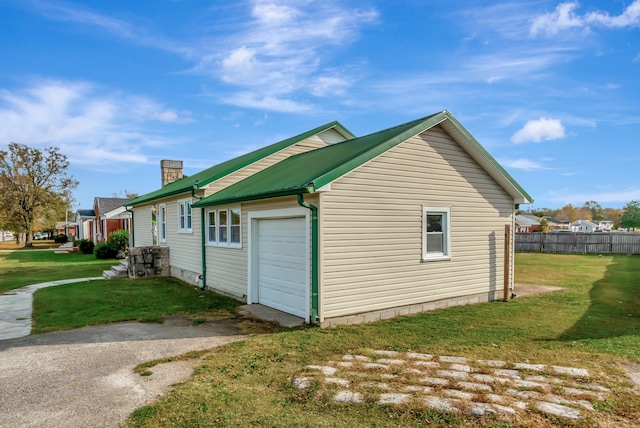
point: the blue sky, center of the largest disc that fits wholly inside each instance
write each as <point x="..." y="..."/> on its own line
<point x="550" y="88"/>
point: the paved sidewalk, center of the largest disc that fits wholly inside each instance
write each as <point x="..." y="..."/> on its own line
<point x="16" y="307"/>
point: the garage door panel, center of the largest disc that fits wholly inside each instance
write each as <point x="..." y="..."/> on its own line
<point x="282" y="264"/>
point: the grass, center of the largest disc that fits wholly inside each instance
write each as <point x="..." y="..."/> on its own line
<point x="20" y="268"/>
<point x="82" y="304"/>
<point x="594" y="323"/>
<point x="40" y="244"/>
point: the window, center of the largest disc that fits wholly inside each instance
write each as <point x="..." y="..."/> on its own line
<point x="211" y="227"/>
<point x="163" y="223"/>
<point x="223" y="228"/>
<point x="184" y="216"/>
<point x="436" y="233"/>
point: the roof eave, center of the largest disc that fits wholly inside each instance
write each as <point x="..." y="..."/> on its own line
<point x="255" y="197"/>
<point x="520" y="196"/>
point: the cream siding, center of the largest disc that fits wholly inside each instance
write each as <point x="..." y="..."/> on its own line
<point x="184" y="250"/>
<point x="371" y="228"/>
<point x="142" y="227"/>
<point x="305" y="145"/>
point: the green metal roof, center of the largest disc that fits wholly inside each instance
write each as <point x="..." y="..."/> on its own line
<point x="309" y="171"/>
<point x="223" y="169"/>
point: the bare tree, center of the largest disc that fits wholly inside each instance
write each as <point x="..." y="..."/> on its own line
<point x="33" y="187"/>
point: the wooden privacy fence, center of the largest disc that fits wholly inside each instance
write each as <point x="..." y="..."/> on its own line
<point x="578" y="243"/>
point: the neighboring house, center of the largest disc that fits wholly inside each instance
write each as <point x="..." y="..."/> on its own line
<point x="527" y="224"/>
<point x="66" y="228"/>
<point x="404" y="220"/>
<point x="583" y="226"/>
<point x="605" y="225"/>
<point x="110" y="214"/>
<point x="557" y="224"/>
<point x="85" y="223"/>
<point x="6" y="235"/>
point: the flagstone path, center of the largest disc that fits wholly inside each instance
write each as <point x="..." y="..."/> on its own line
<point x="458" y="384"/>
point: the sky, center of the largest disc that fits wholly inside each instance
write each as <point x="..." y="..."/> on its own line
<point x="550" y="88"/>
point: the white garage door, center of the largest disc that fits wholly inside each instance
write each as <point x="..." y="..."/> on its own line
<point x="282" y="265"/>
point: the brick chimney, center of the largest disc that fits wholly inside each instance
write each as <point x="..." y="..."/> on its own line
<point x="171" y="171"/>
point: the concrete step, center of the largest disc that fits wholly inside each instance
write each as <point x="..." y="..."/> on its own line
<point x="118" y="271"/>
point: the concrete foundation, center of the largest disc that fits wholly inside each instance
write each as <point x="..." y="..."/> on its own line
<point x="385" y="314"/>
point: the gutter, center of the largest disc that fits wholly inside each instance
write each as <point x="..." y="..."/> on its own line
<point x="314" y="257"/>
<point x="203" y="282"/>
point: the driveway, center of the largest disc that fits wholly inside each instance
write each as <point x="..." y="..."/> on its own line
<point x="85" y="377"/>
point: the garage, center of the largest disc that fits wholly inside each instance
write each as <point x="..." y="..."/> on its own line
<point x="282" y="265"/>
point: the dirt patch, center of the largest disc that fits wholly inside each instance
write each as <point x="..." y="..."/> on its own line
<point x="523" y="290"/>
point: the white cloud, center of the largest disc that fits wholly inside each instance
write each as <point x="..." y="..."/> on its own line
<point x="564" y="17"/>
<point x="522" y="164"/>
<point x="284" y="50"/>
<point x="90" y="126"/>
<point x="267" y="102"/>
<point x="543" y="129"/>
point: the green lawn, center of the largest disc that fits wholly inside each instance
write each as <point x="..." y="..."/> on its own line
<point x="594" y="324"/>
<point x="20" y="268"/>
<point x="99" y="302"/>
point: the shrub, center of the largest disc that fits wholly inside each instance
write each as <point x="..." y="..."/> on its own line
<point x="119" y="239"/>
<point x="60" y="239"/>
<point x="105" y="251"/>
<point x="86" y="246"/>
<point x="77" y="242"/>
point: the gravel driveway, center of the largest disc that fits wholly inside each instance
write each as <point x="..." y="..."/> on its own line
<point x="85" y="377"/>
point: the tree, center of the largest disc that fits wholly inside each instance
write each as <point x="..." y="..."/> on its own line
<point x="33" y="187"/>
<point x="568" y="213"/>
<point x="127" y="194"/>
<point x="597" y="212"/>
<point x="630" y="217"/>
<point x="544" y="225"/>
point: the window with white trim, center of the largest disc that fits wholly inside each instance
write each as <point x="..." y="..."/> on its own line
<point x="163" y="222"/>
<point x="184" y="216"/>
<point x="436" y="226"/>
<point x="223" y="228"/>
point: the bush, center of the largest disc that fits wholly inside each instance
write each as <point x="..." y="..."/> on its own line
<point x="86" y="246"/>
<point x="77" y="242"/>
<point x="60" y="239"/>
<point x="105" y="251"/>
<point x="119" y="239"/>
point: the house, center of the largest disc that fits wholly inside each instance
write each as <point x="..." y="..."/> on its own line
<point x="110" y="215"/>
<point x="527" y="224"/>
<point x="556" y="224"/>
<point x="85" y="223"/>
<point x="583" y="226"/>
<point x="412" y="218"/>
<point x="605" y="225"/>
<point x="67" y="228"/>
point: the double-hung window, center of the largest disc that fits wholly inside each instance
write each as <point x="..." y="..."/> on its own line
<point x="436" y="226"/>
<point x="163" y="223"/>
<point x="184" y="216"/>
<point x="223" y="228"/>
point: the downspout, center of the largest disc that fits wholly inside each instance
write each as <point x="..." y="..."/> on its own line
<point x="314" y="257"/>
<point x="203" y="246"/>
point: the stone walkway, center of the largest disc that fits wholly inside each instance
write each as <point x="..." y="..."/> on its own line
<point x="458" y="384"/>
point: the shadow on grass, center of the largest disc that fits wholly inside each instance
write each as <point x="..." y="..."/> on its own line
<point x="614" y="309"/>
